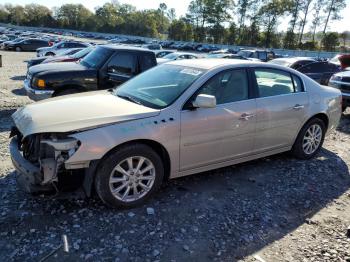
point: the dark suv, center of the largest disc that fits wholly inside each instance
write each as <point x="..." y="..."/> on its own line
<point x="105" y="67"/>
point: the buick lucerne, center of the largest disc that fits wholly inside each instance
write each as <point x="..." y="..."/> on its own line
<point x="176" y="119"/>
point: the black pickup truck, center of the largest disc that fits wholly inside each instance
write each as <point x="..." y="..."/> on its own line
<point x="105" y="67"/>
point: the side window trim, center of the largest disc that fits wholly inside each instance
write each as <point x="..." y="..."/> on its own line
<point x="250" y="89"/>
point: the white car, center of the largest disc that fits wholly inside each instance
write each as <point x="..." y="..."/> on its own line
<point x="59" y="47"/>
<point x="176" y="56"/>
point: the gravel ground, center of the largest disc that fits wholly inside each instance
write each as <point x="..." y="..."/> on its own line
<point x="272" y="209"/>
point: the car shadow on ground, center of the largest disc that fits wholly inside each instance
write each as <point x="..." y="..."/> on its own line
<point x="5" y="119"/>
<point x="18" y="78"/>
<point x="224" y="214"/>
<point x="344" y="124"/>
<point x="19" y="92"/>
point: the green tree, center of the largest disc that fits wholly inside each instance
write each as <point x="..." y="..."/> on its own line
<point x="269" y="14"/>
<point x="330" y="41"/>
<point x="332" y="8"/>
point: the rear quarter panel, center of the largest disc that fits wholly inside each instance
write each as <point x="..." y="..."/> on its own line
<point x="326" y="100"/>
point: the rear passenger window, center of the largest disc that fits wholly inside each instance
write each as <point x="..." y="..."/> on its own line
<point x="122" y="63"/>
<point x="298" y="86"/>
<point x="146" y="62"/>
<point x="272" y="82"/>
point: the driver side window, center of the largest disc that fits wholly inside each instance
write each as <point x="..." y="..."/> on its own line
<point x="227" y="86"/>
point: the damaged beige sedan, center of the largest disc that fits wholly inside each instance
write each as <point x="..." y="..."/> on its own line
<point x="174" y="120"/>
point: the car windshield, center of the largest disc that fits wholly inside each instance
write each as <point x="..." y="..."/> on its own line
<point x="96" y="58"/>
<point x="82" y="52"/>
<point x="170" y="56"/>
<point x="281" y="62"/>
<point x="245" y="53"/>
<point x="160" y="86"/>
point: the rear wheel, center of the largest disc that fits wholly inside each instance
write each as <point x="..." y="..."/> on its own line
<point x="129" y="176"/>
<point x="310" y="139"/>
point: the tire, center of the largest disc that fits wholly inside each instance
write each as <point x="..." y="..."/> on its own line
<point x="49" y="54"/>
<point x="302" y="149"/>
<point x="128" y="179"/>
<point x="67" y="92"/>
<point x="18" y="49"/>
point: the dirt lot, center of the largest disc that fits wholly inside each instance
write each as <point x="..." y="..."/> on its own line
<point x="273" y="209"/>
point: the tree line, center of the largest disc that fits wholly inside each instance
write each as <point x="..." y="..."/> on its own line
<point x="234" y="22"/>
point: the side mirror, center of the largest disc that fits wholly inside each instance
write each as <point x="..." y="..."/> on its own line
<point x="204" y="101"/>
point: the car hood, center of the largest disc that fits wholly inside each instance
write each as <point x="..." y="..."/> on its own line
<point x="343" y="74"/>
<point x="78" y="112"/>
<point x="162" y="60"/>
<point x="58" y="59"/>
<point x="51" y="67"/>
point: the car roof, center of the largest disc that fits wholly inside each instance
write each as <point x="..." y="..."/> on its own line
<point x="123" y="47"/>
<point x="210" y="63"/>
<point x="295" y="59"/>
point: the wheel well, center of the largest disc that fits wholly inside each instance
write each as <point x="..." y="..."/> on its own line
<point x="64" y="88"/>
<point x="157" y="147"/>
<point x="323" y="117"/>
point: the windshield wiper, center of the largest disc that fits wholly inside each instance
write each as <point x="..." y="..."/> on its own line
<point x="130" y="98"/>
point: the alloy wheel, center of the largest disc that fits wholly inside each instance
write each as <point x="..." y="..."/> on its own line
<point x="312" y="139"/>
<point x="132" y="178"/>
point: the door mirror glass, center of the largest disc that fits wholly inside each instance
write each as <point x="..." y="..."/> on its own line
<point x="204" y="101"/>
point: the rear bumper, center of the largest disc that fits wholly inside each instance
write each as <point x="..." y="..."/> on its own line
<point x="37" y="95"/>
<point x="29" y="176"/>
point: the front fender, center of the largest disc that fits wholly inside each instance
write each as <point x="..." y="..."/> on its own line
<point x="96" y="143"/>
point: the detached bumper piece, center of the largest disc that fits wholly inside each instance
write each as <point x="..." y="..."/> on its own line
<point x="29" y="176"/>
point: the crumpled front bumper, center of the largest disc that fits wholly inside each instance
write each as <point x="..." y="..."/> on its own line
<point x="29" y="176"/>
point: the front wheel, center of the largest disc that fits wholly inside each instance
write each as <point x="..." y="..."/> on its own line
<point x="310" y="139"/>
<point x="18" y="49"/>
<point x="129" y="176"/>
<point x="49" y="54"/>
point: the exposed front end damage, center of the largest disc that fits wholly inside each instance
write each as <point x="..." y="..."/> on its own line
<point x="40" y="160"/>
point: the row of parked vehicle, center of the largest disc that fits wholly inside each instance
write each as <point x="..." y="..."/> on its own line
<point x="145" y="120"/>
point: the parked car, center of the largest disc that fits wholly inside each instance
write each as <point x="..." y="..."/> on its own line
<point x="176" y="56"/>
<point x="342" y="60"/>
<point x="341" y="81"/>
<point x="4" y="45"/>
<point x="162" y="53"/>
<point x="39" y="60"/>
<point x="30" y="44"/>
<point x="262" y="55"/>
<point x="320" y="71"/>
<point x="105" y="67"/>
<point x="73" y="55"/>
<point x="52" y="50"/>
<point x="153" y="46"/>
<point x="173" y="120"/>
<point x="226" y="55"/>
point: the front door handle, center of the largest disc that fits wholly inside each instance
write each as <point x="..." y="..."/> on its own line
<point x="246" y="116"/>
<point x="297" y="107"/>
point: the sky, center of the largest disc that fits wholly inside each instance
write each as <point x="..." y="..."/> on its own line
<point x="180" y="7"/>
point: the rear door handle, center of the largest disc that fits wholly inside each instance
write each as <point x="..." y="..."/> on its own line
<point x="246" y="116"/>
<point x="297" y="107"/>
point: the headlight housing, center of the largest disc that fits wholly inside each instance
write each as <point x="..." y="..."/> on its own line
<point x="39" y="83"/>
